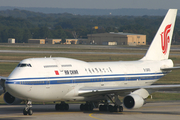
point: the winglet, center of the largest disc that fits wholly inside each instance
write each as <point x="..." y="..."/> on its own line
<point x="160" y="46"/>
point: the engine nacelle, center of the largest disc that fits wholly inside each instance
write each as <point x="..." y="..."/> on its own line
<point x="11" y="100"/>
<point x="132" y="101"/>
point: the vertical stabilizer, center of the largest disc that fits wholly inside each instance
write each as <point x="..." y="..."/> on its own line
<point x="160" y="46"/>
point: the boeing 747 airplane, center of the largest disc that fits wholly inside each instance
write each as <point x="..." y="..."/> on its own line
<point x="97" y="83"/>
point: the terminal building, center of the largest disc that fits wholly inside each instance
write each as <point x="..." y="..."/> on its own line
<point x="119" y="38"/>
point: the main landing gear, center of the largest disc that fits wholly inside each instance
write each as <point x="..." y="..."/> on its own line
<point x="117" y="105"/>
<point x="88" y="106"/>
<point x="28" y="109"/>
<point x="62" y="106"/>
<point x="111" y="108"/>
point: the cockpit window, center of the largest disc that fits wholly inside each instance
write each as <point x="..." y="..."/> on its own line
<point x="24" y="65"/>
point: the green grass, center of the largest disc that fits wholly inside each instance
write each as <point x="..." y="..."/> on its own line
<point x="163" y="97"/>
<point x="67" y="48"/>
<point x="6" y="68"/>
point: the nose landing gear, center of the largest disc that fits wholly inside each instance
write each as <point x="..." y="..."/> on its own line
<point x="117" y="105"/>
<point x="28" y="109"/>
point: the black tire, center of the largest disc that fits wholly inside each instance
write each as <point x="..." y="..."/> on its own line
<point x="91" y="107"/>
<point x="86" y="107"/>
<point x="82" y="107"/>
<point x="30" y="111"/>
<point x="105" y="107"/>
<point x="66" y="107"/>
<point x="57" y="107"/>
<point x="61" y="107"/>
<point x="111" y="108"/>
<point x="101" y="108"/>
<point x="116" y="108"/>
<point x="120" y="108"/>
<point x="25" y="112"/>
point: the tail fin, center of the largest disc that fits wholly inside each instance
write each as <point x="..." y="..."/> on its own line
<point x="160" y="46"/>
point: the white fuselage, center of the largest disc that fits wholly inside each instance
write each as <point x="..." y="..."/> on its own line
<point x="57" y="79"/>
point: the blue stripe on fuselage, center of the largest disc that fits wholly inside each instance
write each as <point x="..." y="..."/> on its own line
<point x="85" y="79"/>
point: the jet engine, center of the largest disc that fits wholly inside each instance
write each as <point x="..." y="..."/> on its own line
<point x="132" y="101"/>
<point x="11" y="100"/>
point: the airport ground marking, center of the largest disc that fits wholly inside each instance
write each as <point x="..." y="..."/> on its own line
<point x="90" y="115"/>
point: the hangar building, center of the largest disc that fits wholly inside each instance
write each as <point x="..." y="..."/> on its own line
<point x="119" y="38"/>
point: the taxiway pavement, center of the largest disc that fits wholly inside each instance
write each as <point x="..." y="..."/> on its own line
<point x="150" y="111"/>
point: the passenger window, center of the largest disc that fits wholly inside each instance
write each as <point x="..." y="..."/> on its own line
<point x="96" y="69"/>
<point x="93" y="70"/>
<point x="89" y="70"/>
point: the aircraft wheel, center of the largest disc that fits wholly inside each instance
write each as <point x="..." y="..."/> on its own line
<point x="82" y="106"/>
<point x="90" y="107"/>
<point x="111" y="108"/>
<point x="57" y="107"/>
<point x="103" y="107"/>
<point x="116" y="109"/>
<point x="30" y="111"/>
<point x="120" y="108"/>
<point x="66" y="107"/>
<point x="25" y="112"/>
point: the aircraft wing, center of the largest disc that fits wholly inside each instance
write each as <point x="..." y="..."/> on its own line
<point x="122" y="91"/>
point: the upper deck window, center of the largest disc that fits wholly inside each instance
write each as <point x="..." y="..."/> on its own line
<point x="50" y="66"/>
<point x="24" y="65"/>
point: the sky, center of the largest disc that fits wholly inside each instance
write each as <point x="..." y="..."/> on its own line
<point x="94" y="4"/>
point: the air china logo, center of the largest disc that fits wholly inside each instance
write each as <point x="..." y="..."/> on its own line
<point x="165" y="39"/>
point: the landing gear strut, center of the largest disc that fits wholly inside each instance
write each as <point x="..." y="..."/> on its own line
<point x="28" y="109"/>
<point x="62" y="106"/>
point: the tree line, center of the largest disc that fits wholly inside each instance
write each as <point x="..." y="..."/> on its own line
<point x="61" y="26"/>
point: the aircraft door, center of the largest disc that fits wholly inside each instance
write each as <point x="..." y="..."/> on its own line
<point x="48" y="84"/>
<point x="126" y="79"/>
<point x="102" y="77"/>
<point x="102" y="81"/>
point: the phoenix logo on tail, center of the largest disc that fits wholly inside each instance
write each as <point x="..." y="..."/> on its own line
<point x="165" y="39"/>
